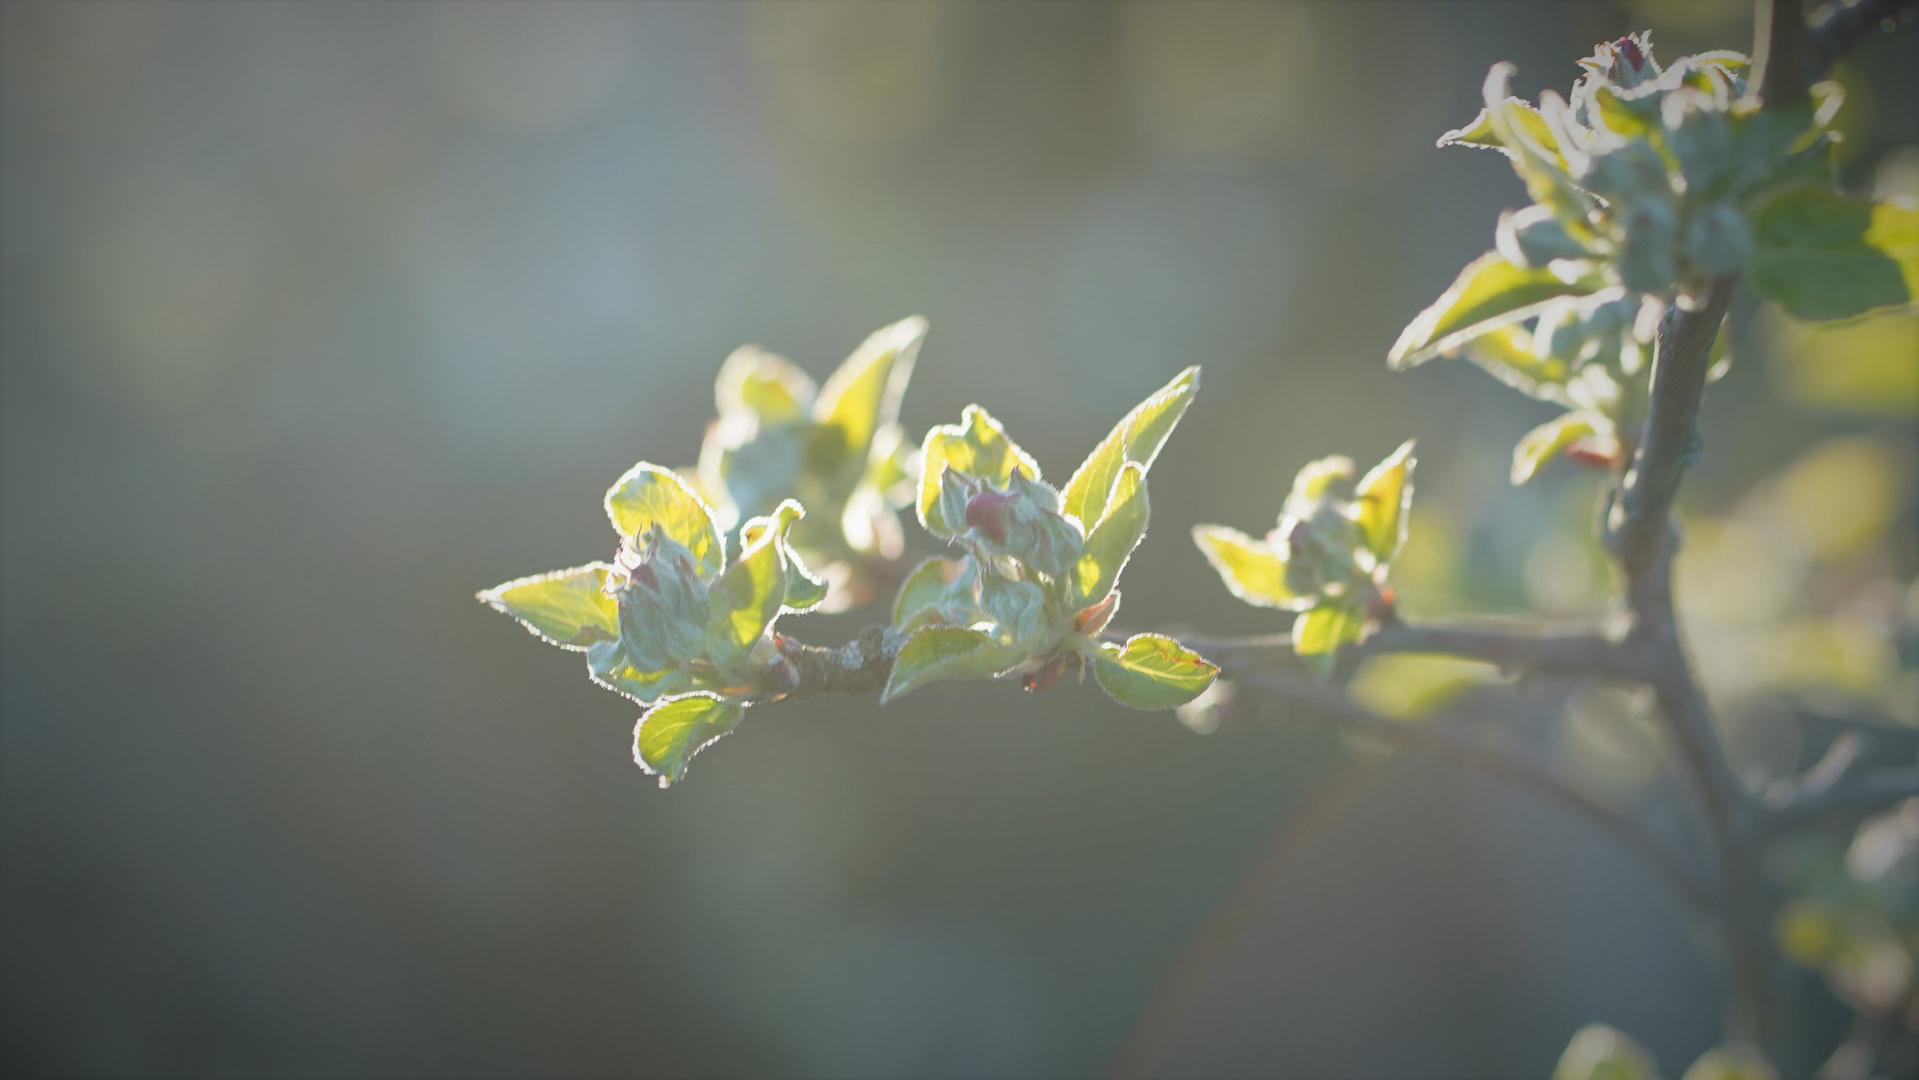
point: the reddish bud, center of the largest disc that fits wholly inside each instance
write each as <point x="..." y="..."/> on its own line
<point x="987" y="513"/>
<point x="1629" y="51"/>
<point x="1091" y="620"/>
<point x="1048" y="673"/>
<point x="1594" y="454"/>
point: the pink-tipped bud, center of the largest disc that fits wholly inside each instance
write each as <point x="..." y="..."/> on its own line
<point x="1629" y="51"/>
<point x="987" y="513"/>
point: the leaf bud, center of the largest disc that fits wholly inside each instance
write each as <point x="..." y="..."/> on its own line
<point x="1535" y="236"/>
<point x="1646" y="259"/>
<point x="1718" y="239"/>
<point x="662" y="602"/>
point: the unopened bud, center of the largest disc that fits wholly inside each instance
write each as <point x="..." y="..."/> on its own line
<point x="1718" y="239"/>
<point x="987" y="513"/>
<point x="1534" y="237"/>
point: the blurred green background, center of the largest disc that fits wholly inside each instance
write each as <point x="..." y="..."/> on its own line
<point x="318" y="317"/>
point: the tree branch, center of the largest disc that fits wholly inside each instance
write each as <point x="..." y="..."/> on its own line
<point x="1858" y="797"/>
<point x="860" y="666"/>
<point x="1431" y="737"/>
<point x="1510" y="646"/>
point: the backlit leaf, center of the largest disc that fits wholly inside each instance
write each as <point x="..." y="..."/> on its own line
<point x="946" y="652"/>
<point x="1488" y="294"/>
<point x="1250" y="568"/>
<point x="1321" y="631"/>
<point x="944" y="587"/>
<point x="648" y="494"/>
<point x="1824" y="255"/>
<point x="1381" y="501"/>
<point x="1543" y="443"/>
<point x="1137" y="438"/>
<point x="770" y="386"/>
<point x="748" y="596"/>
<point x="670" y="733"/>
<point x="865" y="392"/>
<point x="1111" y="542"/>
<point x="566" y="607"/>
<point x="1152" y="671"/>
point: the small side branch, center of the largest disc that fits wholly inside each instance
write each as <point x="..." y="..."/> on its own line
<point x="1489" y="759"/>
<point x="1858" y="797"/>
<point x="1511" y="646"/>
<point x="860" y="666"/>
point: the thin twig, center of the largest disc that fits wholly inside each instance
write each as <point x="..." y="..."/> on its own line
<point x="1857" y="797"/>
<point x="1431" y="737"/>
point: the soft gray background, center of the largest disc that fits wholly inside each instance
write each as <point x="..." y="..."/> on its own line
<point x="320" y="316"/>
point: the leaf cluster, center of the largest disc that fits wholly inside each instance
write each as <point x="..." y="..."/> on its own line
<point x="1034" y="585"/>
<point x="1648" y="185"/>
<point x="1328" y="556"/>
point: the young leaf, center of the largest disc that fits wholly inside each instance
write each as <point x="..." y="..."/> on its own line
<point x="943" y="586"/>
<point x="1480" y="132"/>
<point x="567" y="608"/>
<point x="1381" y="502"/>
<point x="1137" y="438"/>
<point x="1824" y="255"/>
<point x="1111" y="542"/>
<point x="977" y="446"/>
<point x="947" y="652"/>
<point x="1507" y="354"/>
<point x="748" y="596"/>
<point x="1015" y="605"/>
<point x="649" y="494"/>
<point x="1321" y="631"/>
<point x="1543" y="443"/>
<point x="864" y="394"/>
<point x="763" y="383"/>
<point x="1311" y="483"/>
<point x="670" y="733"/>
<point x="1152" y="672"/>
<point x="608" y="665"/>
<point x="1250" y="568"/>
<point x="805" y="590"/>
<point x="1488" y="294"/>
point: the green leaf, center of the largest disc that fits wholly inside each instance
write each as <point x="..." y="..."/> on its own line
<point x="1111" y="542"/>
<point x="670" y="733"/>
<point x="1405" y="686"/>
<point x="1381" y="502"/>
<point x="977" y="446"/>
<point x="1137" y="438"/>
<point x="1321" y="631"/>
<point x="1252" y="569"/>
<point x="566" y="607"/>
<point x="1312" y="482"/>
<point x="1480" y="132"/>
<point x="1488" y="294"/>
<point x="1824" y="255"/>
<point x="1543" y="443"/>
<point x="946" y="652"/>
<point x="1152" y="672"/>
<point x="1507" y="354"/>
<point x="608" y="665"/>
<point x="748" y="596"/>
<point x="648" y="494"/>
<point x="805" y="590"/>
<point x="864" y="394"/>
<point x="944" y="587"/>
<point x="1015" y="605"/>
<point x="767" y="385"/>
